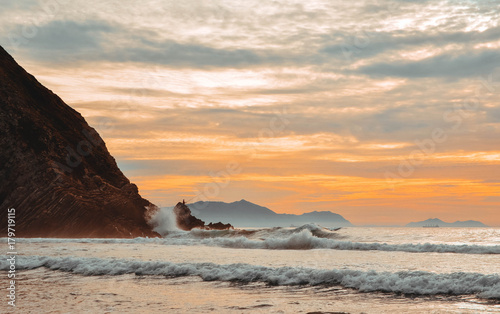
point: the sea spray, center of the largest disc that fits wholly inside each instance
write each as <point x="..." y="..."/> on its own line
<point x="163" y="221"/>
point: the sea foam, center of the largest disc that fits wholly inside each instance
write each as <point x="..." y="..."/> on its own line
<point x="286" y="239"/>
<point x="407" y="282"/>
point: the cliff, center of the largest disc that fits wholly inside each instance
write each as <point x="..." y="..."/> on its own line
<point x="56" y="171"/>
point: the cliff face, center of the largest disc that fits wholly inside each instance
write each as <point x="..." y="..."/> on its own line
<point x="56" y="171"/>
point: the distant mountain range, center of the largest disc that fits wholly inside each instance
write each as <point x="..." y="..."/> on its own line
<point x="246" y="214"/>
<point x="440" y="223"/>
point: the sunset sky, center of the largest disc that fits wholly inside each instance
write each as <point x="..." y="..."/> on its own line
<point x="385" y="112"/>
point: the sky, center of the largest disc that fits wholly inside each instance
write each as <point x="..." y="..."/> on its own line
<point x="385" y="112"/>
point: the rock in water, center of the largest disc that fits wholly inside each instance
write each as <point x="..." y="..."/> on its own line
<point x="219" y="226"/>
<point x="56" y="171"/>
<point x="186" y="221"/>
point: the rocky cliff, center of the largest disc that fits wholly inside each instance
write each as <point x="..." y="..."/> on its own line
<point x="56" y="171"/>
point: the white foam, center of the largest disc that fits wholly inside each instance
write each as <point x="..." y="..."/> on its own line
<point x="408" y="282"/>
<point x="163" y="221"/>
<point x="302" y="238"/>
<point x="305" y="240"/>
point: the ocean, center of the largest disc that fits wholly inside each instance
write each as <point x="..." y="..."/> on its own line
<point x="307" y="269"/>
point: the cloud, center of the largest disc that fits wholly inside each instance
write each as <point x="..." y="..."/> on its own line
<point x="445" y="65"/>
<point x="182" y="87"/>
<point x="176" y="54"/>
<point x="98" y="41"/>
<point x="59" y="41"/>
<point x="250" y="44"/>
<point x="68" y="36"/>
<point x="369" y="43"/>
<point x="7" y="5"/>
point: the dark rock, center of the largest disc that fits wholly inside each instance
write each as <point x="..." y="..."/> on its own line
<point x="56" y="171"/>
<point x="186" y="221"/>
<point x="219" y="226"/>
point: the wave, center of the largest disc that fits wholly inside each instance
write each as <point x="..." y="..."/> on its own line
<point x="303" y="238"/>
<point x="407" y="282"/>
<point x="163" y="220"/>
<point x="262" y="233"/>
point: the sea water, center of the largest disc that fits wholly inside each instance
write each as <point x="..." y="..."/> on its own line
<point x="274" y="270"/>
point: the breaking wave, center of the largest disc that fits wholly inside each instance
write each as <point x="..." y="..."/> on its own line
<point x="307" y="237"/>
<point x="407" y="282"/>
<point x="163" y="221"/>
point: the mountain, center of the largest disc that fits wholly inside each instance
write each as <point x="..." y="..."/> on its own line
<point x="440" y="223"/>
<point x="56" y="171"/>
<point x="246" y="214"/>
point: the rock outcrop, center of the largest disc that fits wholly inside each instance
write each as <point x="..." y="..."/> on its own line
<point x="219" y="226"/>
<point x="56" y="171"/>
<point x="186" y="221"/>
